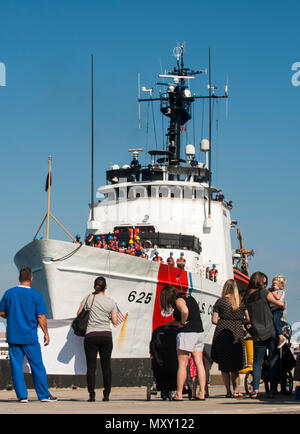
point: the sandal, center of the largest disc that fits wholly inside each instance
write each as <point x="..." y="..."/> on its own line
<point x="175" y="398"/>
<point x="253" y="395"/>
<point x="197" y="398"/>
<point x="237" y="395"/>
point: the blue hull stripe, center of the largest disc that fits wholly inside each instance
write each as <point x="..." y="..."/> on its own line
<point x="191" y="287"/>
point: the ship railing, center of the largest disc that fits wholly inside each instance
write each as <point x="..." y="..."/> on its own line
<point x="157" y="173"/>
<point x="163" y="240"/>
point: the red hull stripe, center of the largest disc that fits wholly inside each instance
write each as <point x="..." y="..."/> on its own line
<point x="167" y="276"/>
<point x="238" y="273"/>
<point x="241" y="279"/>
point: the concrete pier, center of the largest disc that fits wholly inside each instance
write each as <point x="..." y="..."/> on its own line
<point x="133" y="401"/>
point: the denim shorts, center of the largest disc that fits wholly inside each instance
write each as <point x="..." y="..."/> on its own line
<point x="190" y="342"/>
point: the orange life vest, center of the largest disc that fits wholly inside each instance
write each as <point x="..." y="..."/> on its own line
<point x="115" y="245"/>
<point x="138" y="246"/>
<point x="180" y="263"/>
<point x="171" y="261"/>
<point x="212" y="272"/>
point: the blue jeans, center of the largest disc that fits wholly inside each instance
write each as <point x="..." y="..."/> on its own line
<point x="277" y="315"/>
<point x="34" y="356"/>
<point x="260" y="348"/>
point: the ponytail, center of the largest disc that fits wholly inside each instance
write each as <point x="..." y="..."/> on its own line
<point x="99" y="285"/>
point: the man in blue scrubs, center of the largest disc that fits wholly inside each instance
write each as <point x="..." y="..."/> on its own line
<point x="24" y="308"/>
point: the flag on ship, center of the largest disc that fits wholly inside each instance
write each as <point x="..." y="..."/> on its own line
<point x="47" y="182"/>
<point x="183" y="128"/>
<point x="120" y="317"/>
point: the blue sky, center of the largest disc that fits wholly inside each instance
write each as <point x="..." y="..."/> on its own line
<point x="45" y="109"/>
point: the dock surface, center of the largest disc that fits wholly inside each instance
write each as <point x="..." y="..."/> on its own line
<point x="133" y="401"/>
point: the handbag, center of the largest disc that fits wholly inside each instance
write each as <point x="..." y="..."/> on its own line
<point x="79" y="324"/>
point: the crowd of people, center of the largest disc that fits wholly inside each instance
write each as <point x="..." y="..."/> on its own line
<point x="134" y="247"/>
<point x="258" y="312"/>
<point x="220" y="198"/>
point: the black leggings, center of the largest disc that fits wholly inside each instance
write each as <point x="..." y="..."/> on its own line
<point x="103" y="345"/>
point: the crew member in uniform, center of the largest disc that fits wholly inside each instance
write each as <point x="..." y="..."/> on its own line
<point x="170" y="260"/>
<point x="115" y="243"/>
<point x="122" y="248"/>
<point x="89" y="240"/>
<point x="181" y="261"/>
<point x="77" y="240"/>
<point x="97" y="242"/>
<point x="156" y="257"/>
<point x="135" y="165"/>
<point x="193" y="162"/>
<point x="130" y="249"/>
<point x="138" y="246"/>
<point x="110" y="244"/>
<point x="220" y="196"/>
<point x="103" y="242"/>
<point x="213" y="273"/>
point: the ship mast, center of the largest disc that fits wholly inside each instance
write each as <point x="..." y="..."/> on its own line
<point x="92" y="138"/>
<point x="244" y="253"/>
<point x="176" y="105"/>
<point x="209" y="137"/>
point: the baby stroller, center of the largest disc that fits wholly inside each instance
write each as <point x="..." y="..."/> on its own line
<point x="287" y="363"/>
<point x="164" y="363"/>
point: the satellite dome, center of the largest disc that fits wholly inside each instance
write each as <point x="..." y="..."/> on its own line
<point x="204" y="145"/>
<point x="190" y="150"/>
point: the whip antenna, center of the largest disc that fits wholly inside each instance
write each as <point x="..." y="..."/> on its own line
<point x="139" y="96"/>
<point x="226" y="93"/>
<point x="92" y="144"/>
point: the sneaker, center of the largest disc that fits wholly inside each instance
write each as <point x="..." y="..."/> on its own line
<point x="23" y="400"/>
<point x="282" y="341"/>
<point x="50" y="399"/>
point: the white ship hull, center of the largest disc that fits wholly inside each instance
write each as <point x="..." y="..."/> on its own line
<point x="64" y="273"/>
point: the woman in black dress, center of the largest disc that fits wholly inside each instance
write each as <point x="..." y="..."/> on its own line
<point x="190" y="340"/>
<point x="228" y="349"/>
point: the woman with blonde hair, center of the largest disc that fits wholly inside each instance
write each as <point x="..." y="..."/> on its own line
<point x="228" y="349"/>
